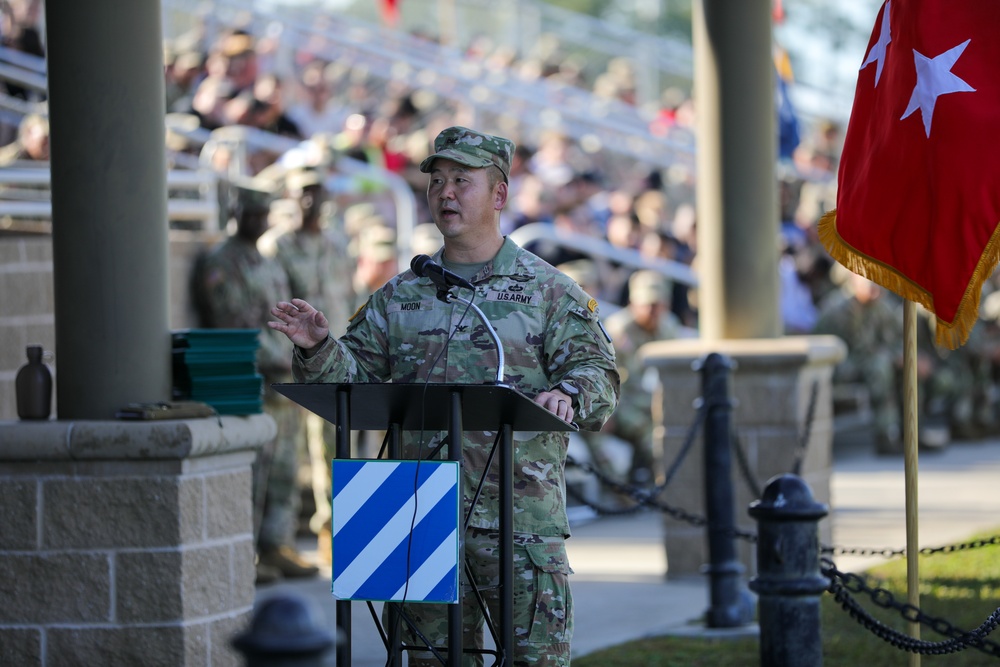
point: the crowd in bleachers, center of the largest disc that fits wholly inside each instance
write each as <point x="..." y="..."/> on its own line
<point x="231" y="77"/>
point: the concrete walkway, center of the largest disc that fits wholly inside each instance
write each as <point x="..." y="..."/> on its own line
<point x="619" y="585"/>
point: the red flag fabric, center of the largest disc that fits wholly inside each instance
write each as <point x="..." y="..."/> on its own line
<point x="918" y="198"/>
<point x="390" y="12"/>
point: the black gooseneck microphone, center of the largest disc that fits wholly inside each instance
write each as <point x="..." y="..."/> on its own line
<point x="424" y="266"/>
<point x="443" y="279"/>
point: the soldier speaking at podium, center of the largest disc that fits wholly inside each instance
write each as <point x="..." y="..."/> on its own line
<point x="556" y="352"/>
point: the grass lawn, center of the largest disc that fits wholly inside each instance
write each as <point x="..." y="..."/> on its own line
<point x="961" y="587"/>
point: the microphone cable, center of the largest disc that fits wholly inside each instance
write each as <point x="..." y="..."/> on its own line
<point x="419" y="458"/>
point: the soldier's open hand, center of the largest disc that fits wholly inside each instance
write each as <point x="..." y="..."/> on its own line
<point x="304" y="325"/>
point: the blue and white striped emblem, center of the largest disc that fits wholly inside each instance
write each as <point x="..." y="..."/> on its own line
<point x="395" y="530"/>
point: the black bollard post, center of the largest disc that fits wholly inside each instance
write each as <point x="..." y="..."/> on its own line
<point x="286" y="629"/>
<point x="788" y="579"/>
<point x="731" y="605"/>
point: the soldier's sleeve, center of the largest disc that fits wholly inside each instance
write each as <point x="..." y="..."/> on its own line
<point x="273" y="357"/>
<point x="579" y="351"/>
<point x="360" y="355"/>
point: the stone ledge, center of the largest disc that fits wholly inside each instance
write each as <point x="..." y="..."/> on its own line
<point x="178" y="439"/>
<point x="748" y="352"/>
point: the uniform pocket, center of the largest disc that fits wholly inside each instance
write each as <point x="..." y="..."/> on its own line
<point x="552" y="611"/>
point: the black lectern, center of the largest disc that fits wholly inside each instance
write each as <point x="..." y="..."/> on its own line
<point x="435" y="407"/>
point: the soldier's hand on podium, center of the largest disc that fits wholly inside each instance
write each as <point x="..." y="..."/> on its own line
<point x="558" y="403"/>
<point x="304" y="325"/>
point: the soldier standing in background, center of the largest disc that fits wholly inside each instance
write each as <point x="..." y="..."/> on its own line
<point x="237" y="288"/>
<point x="646" y="318"/>
<point x="320" y="270"/>
<point x="377" y="259"/>
<point x="870" y="325"/>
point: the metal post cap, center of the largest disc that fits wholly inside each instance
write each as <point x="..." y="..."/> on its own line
<point x="285" y="624"/>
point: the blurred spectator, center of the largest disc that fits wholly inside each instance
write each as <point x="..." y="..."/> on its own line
<point x="798" y="310"/>
<point x="238" y="60"/>
<point x="19" y="31"/>
<point x="209" y="101"/>
<point x="661" y="245"/>
<point x="32" y="143"/>
<point x="183" y="71"/>
<point x="315" y="112"/>
<point x="267" y="108"/>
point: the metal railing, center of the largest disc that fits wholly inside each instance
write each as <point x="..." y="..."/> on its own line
<point x="241" y="142"/>
<point x="600" y="248"/>
<point x="25" y="198"/>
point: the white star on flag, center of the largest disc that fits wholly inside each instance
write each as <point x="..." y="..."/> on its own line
<point x="934" y="79"/>
<point x="877" y="54"/>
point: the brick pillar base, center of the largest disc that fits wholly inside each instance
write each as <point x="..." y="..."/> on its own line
<point x="126" y="543"/>
<point x="772" y="386"/>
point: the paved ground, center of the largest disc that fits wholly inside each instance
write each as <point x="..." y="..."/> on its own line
<point x="620" y="588"/>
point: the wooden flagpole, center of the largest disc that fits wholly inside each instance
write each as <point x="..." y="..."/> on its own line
<point x="910" y="444"/>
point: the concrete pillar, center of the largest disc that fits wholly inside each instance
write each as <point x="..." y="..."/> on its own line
<point x="737" y="185"/>
<point x="772" y="388"/>
<point x="109" y="212"/>
<point x="127" y="543"/>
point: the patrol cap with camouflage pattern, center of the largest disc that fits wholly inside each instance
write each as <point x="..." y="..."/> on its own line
<point x="252" y="200"/>
<point x="646" y="287"/>
<point x="471" y="148"/>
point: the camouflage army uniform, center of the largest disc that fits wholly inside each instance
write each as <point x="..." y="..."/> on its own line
<point x="321" y="272"/>
<point x="633" y="420"/>
<point x="240" y="287"/>
<point x="551" y="334"/>
<point x="873" y="333"/>
<point x="954" y="393"/>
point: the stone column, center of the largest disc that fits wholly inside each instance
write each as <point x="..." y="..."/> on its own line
<point x="772" y="386"/>
<point x="737" y="183"/>
<point x="109" y="211"/>
<point x="127" y="543"/>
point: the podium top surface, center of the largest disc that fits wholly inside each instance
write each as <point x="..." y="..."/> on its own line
<point x="415" y="406"/>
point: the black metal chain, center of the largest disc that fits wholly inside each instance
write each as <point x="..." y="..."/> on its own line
<point x="744" y="465"/>
<point x="800" y="452"/>
<point x="639" y="495"/>
<point x="647" y="498"/>
<point x="843" y="584"/>
<point x="924" y="551"/>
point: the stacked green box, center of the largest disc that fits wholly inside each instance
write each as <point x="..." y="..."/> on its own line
<point x="218" y="367"/>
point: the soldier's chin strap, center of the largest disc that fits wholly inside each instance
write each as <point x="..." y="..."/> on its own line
<point x="447" y="296"/>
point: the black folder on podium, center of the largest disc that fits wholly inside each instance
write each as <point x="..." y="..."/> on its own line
<point x="454" y="407"/>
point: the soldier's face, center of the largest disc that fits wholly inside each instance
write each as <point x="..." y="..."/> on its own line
<point x="462" y="200"/>
<point x="647" y="315"/>
<point x="252" y="224"/>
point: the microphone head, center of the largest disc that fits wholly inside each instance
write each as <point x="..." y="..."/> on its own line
<point x="418" y="264"/>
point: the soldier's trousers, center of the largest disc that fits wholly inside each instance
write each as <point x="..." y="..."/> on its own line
<point x="276" y="495"/>
<point x="543" y="605"/>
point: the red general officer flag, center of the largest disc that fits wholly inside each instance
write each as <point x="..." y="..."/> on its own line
<point x="390" y="12"/>
<point x="918" y="199"/>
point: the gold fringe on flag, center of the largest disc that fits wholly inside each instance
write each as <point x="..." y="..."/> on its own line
<point x="948" y="334"/>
